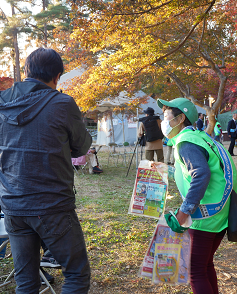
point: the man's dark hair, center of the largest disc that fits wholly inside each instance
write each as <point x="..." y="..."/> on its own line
<point x="176" y="112"/>
<point x="199" y="114"/>
<point x="43" y="64"/>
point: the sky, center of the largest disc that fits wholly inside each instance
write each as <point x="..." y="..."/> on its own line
<point x="5" y="7"/>
<point x="7" y="10"/>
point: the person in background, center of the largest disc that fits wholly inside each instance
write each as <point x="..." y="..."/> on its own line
<point x="42" y="129"/>
<point x="150" y="126"/>
<point x="169" y="152"/>
<point x="93" y="161"/>
<point x="199" y="176"/>
<point x="200" y="125"/>
<point x="90" y="158"/>
<point x="232" y="133"/>
<point x="217" y="131"/>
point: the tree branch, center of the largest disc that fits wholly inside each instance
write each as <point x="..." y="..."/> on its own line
<point x="4" y="15"/>
<point x="34" y="26"/>
<point x="221" y="48"/>
<point x="144" y="11"/>
<point x="170" y="18"/>
<point x="182" y="42"/>
<point x="221" y="76"/>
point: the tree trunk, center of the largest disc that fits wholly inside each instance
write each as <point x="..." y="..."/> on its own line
<point x="17" y="74"/>
<point x="45" y="26"/>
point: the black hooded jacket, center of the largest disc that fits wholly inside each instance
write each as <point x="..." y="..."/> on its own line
<point x="40" y="129"/>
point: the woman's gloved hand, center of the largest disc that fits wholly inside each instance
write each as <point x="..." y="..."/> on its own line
<point x="173" y="222"/>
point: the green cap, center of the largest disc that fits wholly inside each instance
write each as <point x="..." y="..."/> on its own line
<point x="173" y="223"/>
<point x="183" y="104"/>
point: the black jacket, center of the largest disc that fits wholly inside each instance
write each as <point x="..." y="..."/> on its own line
<point x="40" y="129"/>
<point x="200" y="124"/>
<point x="231" y="126"/>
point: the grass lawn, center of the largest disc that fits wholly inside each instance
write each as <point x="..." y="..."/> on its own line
<point x="117" y="241"/>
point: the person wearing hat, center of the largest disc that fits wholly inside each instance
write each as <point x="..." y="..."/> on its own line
<point x="151" y="126"/>
<point x="204" y="187"/>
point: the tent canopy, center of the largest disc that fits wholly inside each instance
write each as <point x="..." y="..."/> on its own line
<point x="66" y="78"/>
<point x="125" y="129"/>
<point x="224" y="118"/>
<point x="123" y="98"/>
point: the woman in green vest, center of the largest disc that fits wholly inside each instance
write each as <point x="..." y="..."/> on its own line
<point x="217" y="131"/>
<point x="201" y="169"/>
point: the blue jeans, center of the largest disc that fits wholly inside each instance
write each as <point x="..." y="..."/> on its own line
<point x="63" y="236"/>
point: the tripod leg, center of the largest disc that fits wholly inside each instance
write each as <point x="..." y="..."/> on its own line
<point x="132" y="158"/>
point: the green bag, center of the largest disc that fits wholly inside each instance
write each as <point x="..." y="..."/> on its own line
<point x="173" y="223"/>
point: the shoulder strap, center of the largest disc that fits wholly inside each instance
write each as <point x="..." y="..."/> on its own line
<point x="208" y="210"/>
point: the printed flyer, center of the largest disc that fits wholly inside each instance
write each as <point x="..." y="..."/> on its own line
<point x="166" y="263"/>
<point x="172" y="251"/>
<point x="150" y="191"/>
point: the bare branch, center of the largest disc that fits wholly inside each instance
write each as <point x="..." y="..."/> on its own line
<point x="203" y="30"/>
<point x="34" y="26"/>
<point x="193" y="63"/>
<point x="4" y="15"/>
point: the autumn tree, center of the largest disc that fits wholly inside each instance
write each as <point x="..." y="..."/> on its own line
<point x="12" y="27"/>
<point x="142" y="44"/>
<point x="51" y="26"/>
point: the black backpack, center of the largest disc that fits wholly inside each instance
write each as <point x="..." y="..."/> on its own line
<point x="153" y="132"/>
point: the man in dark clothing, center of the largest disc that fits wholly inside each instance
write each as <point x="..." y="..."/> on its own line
<point x="41" y="129"/>
<point x="232" y="133"/>
<point x="150" y="126"/>
<point x="200" y="126"/>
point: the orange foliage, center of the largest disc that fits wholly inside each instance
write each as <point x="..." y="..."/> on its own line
<point x="5" y="83"/>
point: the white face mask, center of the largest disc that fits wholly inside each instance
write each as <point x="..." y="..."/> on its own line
<point x="166" y="127"/>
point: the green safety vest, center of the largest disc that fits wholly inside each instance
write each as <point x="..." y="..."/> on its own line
<point x="217" y="130"/>
<point x="216" y="186"/>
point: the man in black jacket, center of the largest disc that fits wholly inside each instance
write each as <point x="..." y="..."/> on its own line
<point x="41" y="129"/>
<point x="200" y="125"/>
<point x="232" y="133"/>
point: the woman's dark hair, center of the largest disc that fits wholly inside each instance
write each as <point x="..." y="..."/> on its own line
<point x="43" y="64"/>
<point x="176" y="112"/>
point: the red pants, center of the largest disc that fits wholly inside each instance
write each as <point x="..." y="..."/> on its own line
<point x="203" y="278"/>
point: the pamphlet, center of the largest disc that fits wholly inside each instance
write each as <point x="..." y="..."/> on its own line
<point x="150" y="191"/>
<point x="172" y="252"/>
<point x="166" y="262"/>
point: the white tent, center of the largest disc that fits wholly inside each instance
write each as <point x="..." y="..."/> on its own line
<point x="66" y="78"/>
<point x="125" y="128"/>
